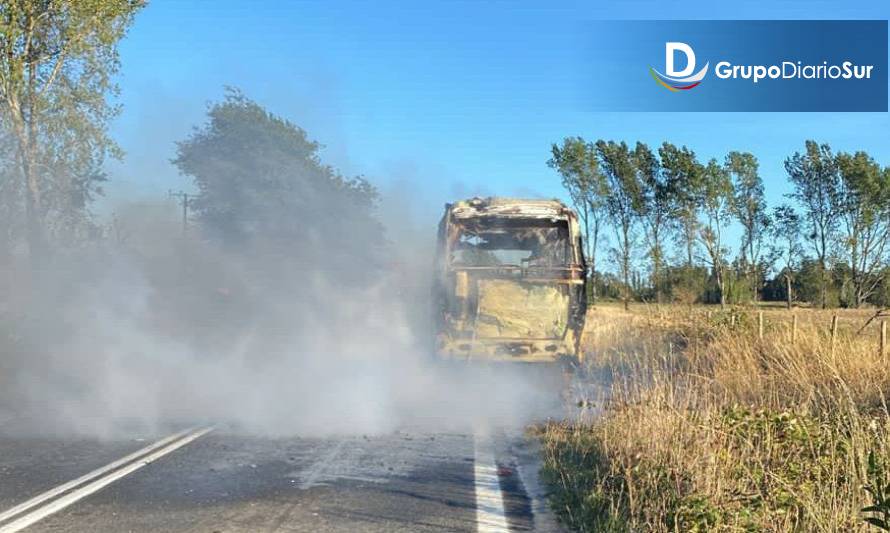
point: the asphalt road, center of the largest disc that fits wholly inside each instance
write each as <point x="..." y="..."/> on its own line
<point x="220" y="481"/>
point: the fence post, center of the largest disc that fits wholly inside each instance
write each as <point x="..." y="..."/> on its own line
<point x="732" y="320"/>
<point x="883" y="338"/>
<point x="760" y="324"/>
<point x="833" y="333"/>
<point x="793" y="329"/>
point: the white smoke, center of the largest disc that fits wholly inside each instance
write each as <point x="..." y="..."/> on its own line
<point x="154" y="329"/>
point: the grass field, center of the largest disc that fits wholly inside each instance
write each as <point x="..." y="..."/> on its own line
<point x="706" y="426"/>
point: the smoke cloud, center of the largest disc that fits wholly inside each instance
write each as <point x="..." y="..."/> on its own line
<point x="149" y="328"/>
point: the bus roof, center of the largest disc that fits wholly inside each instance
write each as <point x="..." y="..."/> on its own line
<point x="509" y="208"/>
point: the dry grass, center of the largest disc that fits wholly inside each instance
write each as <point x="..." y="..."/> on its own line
<point x="707" y="427"/>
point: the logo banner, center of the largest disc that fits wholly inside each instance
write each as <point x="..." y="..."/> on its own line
<point x="750" y="65"/>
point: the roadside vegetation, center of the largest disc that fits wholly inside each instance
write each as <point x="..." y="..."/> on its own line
<point x="736" y="416"/>
<point x="707" y="426"/>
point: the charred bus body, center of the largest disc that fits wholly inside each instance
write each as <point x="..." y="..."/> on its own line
<point x="510" y="283"/>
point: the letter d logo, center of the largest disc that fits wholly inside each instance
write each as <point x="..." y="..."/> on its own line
<point x="669" y="49"/>
<point x="682" y="80"/>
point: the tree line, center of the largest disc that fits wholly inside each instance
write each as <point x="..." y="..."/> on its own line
<point x="666" y="214"/>
<point x="260" y="181"/>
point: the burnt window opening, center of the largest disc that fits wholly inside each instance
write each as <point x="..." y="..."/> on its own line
<point x="513" y="243"/>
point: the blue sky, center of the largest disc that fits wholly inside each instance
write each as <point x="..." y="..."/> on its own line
<point x="436" y="100"/>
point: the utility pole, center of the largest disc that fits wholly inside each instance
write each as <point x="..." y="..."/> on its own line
<point x="184" y="199"/>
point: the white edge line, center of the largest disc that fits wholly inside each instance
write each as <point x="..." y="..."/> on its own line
<point x="490" y="514"/>
<point x="52" y="493"/>
<point x="167" y="445"/>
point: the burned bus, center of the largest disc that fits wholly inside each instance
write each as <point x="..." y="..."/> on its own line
<point x="510" y="282"/>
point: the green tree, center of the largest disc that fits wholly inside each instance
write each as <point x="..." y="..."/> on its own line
<point x="263" y="186"/>
<point x="786" y="240"/>
<point x="749" y="208"/>
<point x="655" y="211"/>
<point x="623" y="201"/>
<point x="809" y="286"/>
<point x="863" y="199"/>
<point x="577" y="164"/>
<point x="683" y="177"/>
<point x="716" y="196"/>
<point x="815" y="177"/>
<point x="60" y="57"/>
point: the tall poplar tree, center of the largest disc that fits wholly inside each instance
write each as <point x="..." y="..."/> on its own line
<point x="59" y="61"/>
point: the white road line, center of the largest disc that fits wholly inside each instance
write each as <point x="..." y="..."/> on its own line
<point x="133" y="462"/>
<point x="52" y="493"/>
<point x="490" y="514"/>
